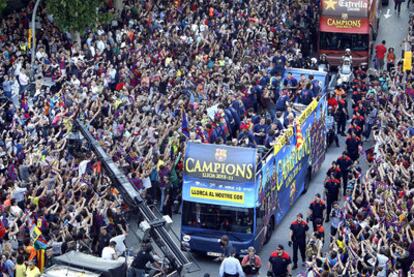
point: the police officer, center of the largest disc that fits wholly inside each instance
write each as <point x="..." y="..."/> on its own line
<point x="344" y="162"/>
<point x="352" y="146"/>
<point x="316" y="209"/>
<point x="341" y="115"/>
<point x="298" y="229"/>
<point x="332" y="186"/>
<point x="279" y="263"/>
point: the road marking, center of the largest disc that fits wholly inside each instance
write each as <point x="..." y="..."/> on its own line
<point x="387" y="15"/>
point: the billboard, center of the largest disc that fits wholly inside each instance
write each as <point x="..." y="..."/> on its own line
<point x="345" y="8"/>
<point x="344" y="25"/>
<point x="219" y="174"/>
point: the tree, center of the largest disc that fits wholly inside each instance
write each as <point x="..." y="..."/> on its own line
<point x="3" y="5"/>
<point x="75" y="16"/>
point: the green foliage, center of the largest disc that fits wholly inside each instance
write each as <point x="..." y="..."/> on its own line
<point x="75" y="15"/>
<point x="3" y="5"/>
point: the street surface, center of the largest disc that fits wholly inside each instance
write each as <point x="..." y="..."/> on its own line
<point x="393" y="29"/>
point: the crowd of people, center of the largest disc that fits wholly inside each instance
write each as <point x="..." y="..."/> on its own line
<point x="371" y="231"/>
<point x="156" y="76"/>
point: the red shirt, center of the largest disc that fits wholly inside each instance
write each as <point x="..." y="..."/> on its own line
<point x="332" y="103"/>
<point x="380" y="51"/>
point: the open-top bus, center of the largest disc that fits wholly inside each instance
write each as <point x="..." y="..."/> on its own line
<point x="231" y="191"/>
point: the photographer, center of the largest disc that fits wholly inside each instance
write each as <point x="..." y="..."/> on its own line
<point x="251" y="263"/>
<point x="143" y="257"/>
<point x="227" y="247"/>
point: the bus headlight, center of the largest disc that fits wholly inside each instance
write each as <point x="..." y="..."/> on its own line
<point x="186" y="238"/>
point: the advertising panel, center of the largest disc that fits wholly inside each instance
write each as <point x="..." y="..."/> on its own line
<point x="219" y="174"/>
<point x="344" y="25"/>
<point x="350" y="8"/>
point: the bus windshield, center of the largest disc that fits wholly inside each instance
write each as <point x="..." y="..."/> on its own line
<point x="342" y="41"/>
<point x="215" y="217"/>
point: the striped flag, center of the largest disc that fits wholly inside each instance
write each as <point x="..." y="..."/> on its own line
<point x="184" y="124"/>
<point x="299" y="138"/>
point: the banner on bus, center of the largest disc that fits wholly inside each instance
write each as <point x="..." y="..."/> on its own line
<point x="344" y="25"/>
<point x="219" y="162"/>
<point x="219" y="174"/>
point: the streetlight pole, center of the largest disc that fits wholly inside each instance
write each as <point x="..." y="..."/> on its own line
<point x="33" y="50"/>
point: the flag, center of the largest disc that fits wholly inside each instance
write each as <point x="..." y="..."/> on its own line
<point x="184" y="125"/>
<point x="408" y="58"/>
<point x="299" y="138"/>
<point x="41" y="259"/>
<point x="39" y="242"/>
<point x="29" y="38"/>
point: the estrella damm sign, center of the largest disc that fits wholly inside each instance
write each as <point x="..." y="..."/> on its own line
<point x="352" y="8"/>
<point x="219" y="162"/>
<point x="220" y="195"/>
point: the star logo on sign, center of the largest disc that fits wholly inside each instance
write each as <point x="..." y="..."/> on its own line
<point x="330" y="4"/>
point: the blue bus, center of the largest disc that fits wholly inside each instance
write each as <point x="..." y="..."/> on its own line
<point x="231" y="191"/>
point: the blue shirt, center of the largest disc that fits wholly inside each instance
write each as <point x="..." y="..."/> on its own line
<point x="258" y="128"/>
<point x="305" y="97"/>
<point x="281" y="103"/>
<point x="9" y="267"/>
<point x="292" y="82"/>
<point x="247" y="135"/>
<point x="7" y="86"/>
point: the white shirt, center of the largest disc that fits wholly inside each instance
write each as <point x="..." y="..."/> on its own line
<point x="382" y="262"/>
<point x="16" y="211"/>
<point x="231" y="265"/>
<point x="101" y="46"/>
<point x="19" y="193"/>
<point x="93" y="52"/>
<point x="24" y="80"/>
<point x="120" y="246"/>
<point x="108" y="253"/>
<point x="82" y="167"/>
<point x="40" y="55"/>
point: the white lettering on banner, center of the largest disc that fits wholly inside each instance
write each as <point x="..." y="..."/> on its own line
<point x="353" y="6"/>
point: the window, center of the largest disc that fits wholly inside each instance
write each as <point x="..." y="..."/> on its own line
<point x="215" y="217"/>
<point x="342" y="41"/>
<point x="260" y="213"/>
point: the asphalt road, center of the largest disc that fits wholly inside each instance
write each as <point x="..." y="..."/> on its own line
<point x="392" y="29"/>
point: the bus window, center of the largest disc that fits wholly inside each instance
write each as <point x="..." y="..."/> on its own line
<point x="341" y="41"/>
<point x="215" y="217"/>
<point x="260" y="214"/>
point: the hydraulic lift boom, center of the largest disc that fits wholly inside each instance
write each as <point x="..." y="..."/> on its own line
<point x="158" y="232"/>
